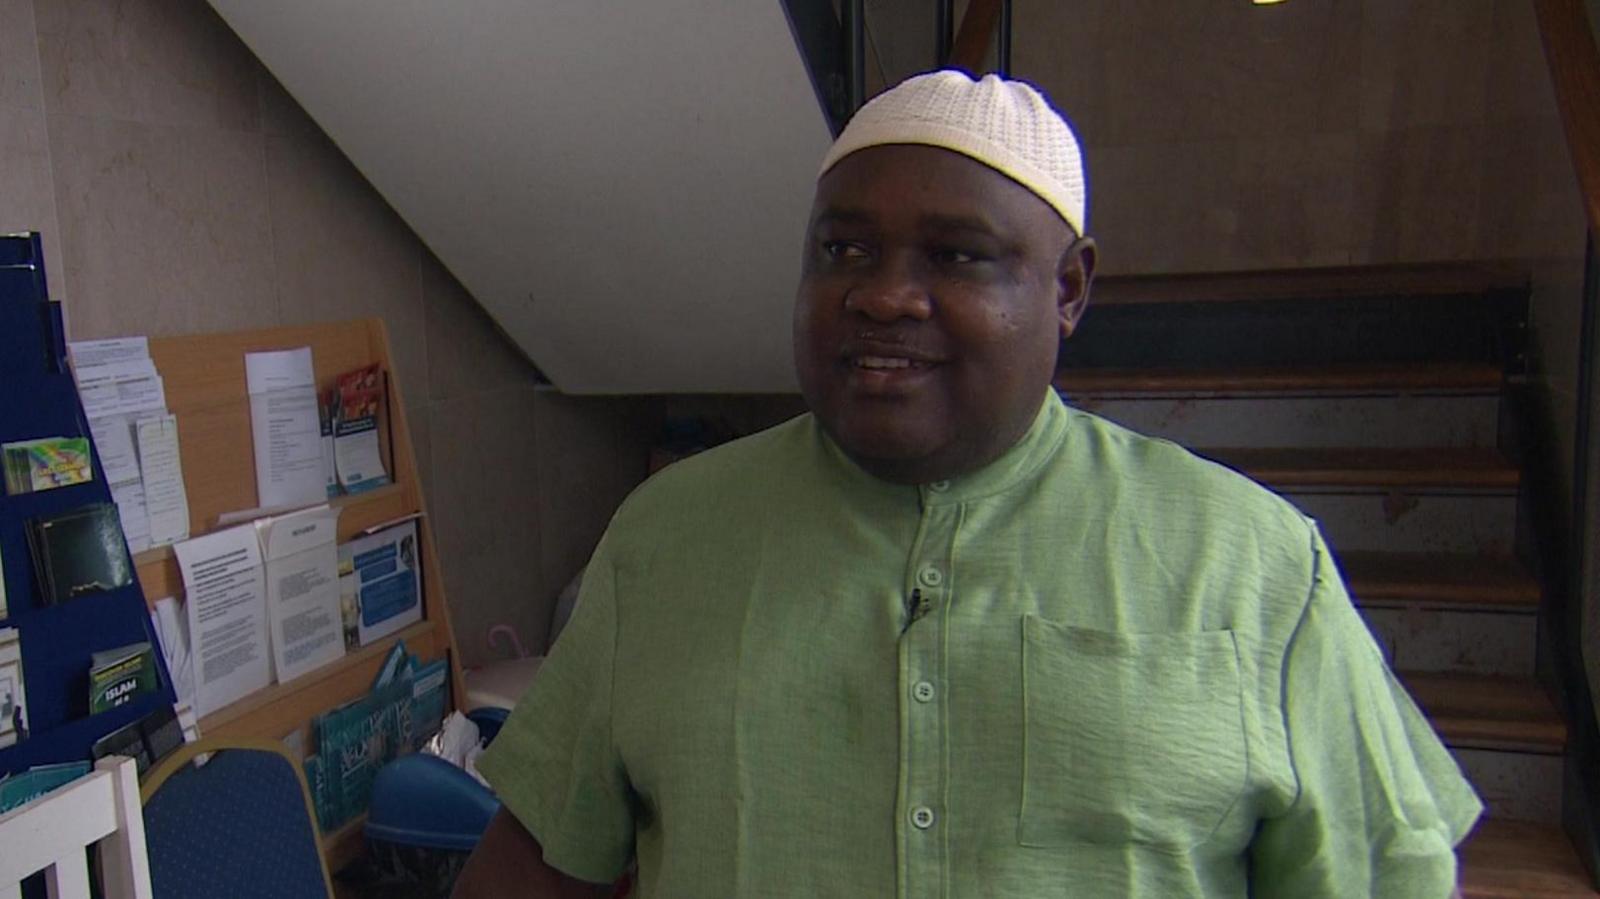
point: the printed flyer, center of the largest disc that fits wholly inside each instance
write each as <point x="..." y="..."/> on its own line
<point x="381" y="571"/>
<point x="357" y="453"/>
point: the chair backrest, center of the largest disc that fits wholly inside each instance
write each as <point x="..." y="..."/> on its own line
<point x="51" y="833"/>
<point x="240" y="825"/>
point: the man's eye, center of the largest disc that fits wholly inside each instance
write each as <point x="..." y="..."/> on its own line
<point x="954" y="256"/>
<point x="843" y="249"/>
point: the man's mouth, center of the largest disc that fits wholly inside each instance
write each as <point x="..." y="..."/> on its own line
<point x="890" y="363"/>
<point x="885" y="376"/>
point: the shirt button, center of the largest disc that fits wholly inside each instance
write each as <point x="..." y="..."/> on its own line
<point x="939" y="486"/>
<point x="922" y="691"/>
<point x="930" y="576"/>
<point x="922" y="817"/>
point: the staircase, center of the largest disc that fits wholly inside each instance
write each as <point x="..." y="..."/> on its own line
<point x="1372" y="400"/>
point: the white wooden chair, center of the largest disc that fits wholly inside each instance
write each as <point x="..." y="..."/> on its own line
<point x="50" y="834"/>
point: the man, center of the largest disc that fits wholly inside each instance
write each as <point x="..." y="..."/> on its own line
<point x="945" y="636"/>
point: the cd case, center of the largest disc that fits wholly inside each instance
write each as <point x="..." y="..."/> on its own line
<point x="34" y="465"/>
<point x="79" y="553"/>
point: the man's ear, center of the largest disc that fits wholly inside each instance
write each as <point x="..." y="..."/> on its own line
<point x="1073" y="277"/>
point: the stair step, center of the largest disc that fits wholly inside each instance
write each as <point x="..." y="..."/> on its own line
<point x="1409" y="521"/>
<point x="1349" y="379"/>
<point x="1518" y="860"/>
<point x="1439" y="580"/>
<point x="1427" y="279"/>
<point x="1515" y="786"/>
<point x="1484" y="712"/>
<point x="1443" y="468"/>
<point x="1453" y="641"/>
<point x="1262" y="320"/>
<point x="1301" y="421"/>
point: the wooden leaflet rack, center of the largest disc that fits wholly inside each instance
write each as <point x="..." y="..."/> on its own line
<point x="205" y="386"/>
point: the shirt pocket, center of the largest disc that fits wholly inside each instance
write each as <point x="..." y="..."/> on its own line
<point x="1128" y="738"/>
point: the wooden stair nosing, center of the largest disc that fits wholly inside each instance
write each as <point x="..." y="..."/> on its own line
<point x="1487" y="712"/>
<point x="1447" y="468"/>
<point x="1446" y="378"/>
<point x="1521" y="860"/>
<point x="1453" y="580"/>
<point x="1476" y="733"/>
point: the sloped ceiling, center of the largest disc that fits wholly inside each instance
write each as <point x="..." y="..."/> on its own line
<point x="621" y="184"/>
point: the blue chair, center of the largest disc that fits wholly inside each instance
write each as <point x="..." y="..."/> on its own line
<point x="240" y="825"/>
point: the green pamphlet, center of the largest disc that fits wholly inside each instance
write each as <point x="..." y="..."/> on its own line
<point x="118" y="675"/>
<point x="26" y="786"/>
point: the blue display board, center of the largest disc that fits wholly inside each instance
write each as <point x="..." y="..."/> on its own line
<point x="38" y="399"/>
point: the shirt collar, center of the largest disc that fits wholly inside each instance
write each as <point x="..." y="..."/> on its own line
<point x="1016" y="465"/>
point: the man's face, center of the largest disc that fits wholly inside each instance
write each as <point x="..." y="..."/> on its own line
<point x="933" y="295"/>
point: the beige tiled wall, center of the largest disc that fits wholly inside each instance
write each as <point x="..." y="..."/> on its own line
<point x="26" y="195"/>
<point x="180" y="189"/>
<point x="1224" y="136"/>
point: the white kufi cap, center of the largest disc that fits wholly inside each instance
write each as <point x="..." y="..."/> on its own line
<point x="1006" y="125"/>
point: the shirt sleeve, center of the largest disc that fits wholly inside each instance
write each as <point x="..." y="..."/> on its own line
<point x="1381" y="803"/>
<point x="553" y="764"/>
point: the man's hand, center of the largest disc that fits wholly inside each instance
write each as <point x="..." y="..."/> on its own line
<point x="509" y="863"/>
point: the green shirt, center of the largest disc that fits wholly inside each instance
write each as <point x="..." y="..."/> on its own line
<point x="1128" y="672"/>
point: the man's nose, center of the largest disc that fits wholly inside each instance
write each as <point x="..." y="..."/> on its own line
<point x="892" y="290"/>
